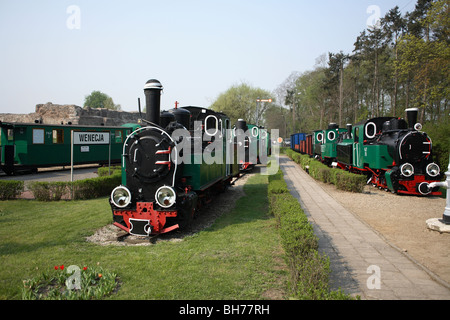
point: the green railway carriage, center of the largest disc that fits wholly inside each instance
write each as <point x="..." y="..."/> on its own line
<point x="29" y="146"/>
<point x="329" y="142"/>
<point x="317" y="142"/>
<point x="257" y="144"/>
<point x="366" y="152"/>
<point x="201" y="174"/>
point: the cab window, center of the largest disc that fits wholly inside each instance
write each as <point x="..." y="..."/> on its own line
<point x="58" y="136"/>
<point x="119" y="136"/>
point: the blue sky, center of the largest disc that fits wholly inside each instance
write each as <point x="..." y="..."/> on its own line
<point x="54" y="52"/>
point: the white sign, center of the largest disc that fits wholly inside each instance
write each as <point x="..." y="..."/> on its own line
<point x="90" y="138"/>
<point x="84" y="148"/>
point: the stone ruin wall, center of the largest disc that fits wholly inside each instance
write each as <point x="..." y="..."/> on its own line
<point x="50" y="113"/>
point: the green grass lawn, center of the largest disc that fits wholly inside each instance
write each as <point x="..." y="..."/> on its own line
<point x="239" y="257"/>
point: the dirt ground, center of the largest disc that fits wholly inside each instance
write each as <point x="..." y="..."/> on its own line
<point x="401" y="220"/>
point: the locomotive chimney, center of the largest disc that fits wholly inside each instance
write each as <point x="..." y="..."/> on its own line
<point x="241" y="124"/>
<point x="332" y="126"/>
<point x="411" y="116"/>
<point x="349" y="128"/>
<point x="152" y="91"/>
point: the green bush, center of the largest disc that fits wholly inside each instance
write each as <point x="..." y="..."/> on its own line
<point x="10" y="189"/>
<point x="343" y="180"/>
<point x="48" y="191"/>
<point x="94" y="187"/>
<point x="309" y="270"/>
<point x="277" y="185"/>
<point x="76" y="190"/>
<point x="104" y="171"/>
<point x="348" y="181"/>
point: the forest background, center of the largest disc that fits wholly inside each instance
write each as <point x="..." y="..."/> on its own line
<point x="400" y="62"/>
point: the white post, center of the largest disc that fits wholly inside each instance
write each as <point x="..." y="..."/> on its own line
<point x="71" y="155"/>
<point x="109" y="155"/>
<point x="445" y="184"/>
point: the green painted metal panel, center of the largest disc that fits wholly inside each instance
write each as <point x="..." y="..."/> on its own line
<point x="377" y="156"/>
<point x="200" y="175"/>
<point x="389" y="180"/>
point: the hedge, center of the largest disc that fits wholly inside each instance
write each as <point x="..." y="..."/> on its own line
<point x="48" y="191"/>
<point x="309" y="270"/>
<point x="343" y="180"/>
<point x="76" y="190"/>
<point x="104" y="171"/>
<point x="10" y="189"/>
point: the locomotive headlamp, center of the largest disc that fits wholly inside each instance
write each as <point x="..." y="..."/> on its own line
<point x="121" y="196"/>
<point x="165" y="196"/>
<point x="433" y="169"/>
<point x="407" y="169"/>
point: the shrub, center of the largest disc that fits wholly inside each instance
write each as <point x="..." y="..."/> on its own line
<point x="309" y="270"/>
<point x="277" y="185"/>
<point x="48" y="191"/>
<point x="10" y="189"/>
<point x="94" y="187"/>
<point x="76" y="190"/>
<point x="343" y="180"/>
<point x="348" y="181"/>
<point x="104" y="171"/>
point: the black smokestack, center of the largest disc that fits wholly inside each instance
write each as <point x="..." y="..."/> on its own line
<point x="411" y="116"/>
<point x="152" y="91"/>
<point x="332" y="126"/>
<point x="349" y="128"/>
<point x="241" y="124"/>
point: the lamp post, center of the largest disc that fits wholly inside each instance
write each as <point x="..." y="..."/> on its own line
<point x="257" y="107"/>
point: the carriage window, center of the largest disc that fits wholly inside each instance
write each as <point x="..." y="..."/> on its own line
<point x="331" y="135"/>
<point x="38" y="136"/>
<point x="356" y="139"/>
<point x="10" y="134"/>
<point x="371" y="130"/>
<point x="211" y="125"/>
<point x="119" y="137"/>
<point x="58" y="136"/>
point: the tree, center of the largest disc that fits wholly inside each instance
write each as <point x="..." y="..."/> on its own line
<point x="394" y="26"/>
<point x="424" y="57"/>
<point x="335" y="77"/>
<point x="99" y="99"/>
<point x="239" y="102"/>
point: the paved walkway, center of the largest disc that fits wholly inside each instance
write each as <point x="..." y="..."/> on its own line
<point x="362" y="262"/>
